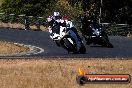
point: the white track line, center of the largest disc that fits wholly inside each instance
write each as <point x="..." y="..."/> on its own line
<point x="33" y="50"/>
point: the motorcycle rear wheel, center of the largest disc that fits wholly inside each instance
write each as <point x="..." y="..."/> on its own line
<point x="82" y="49"/>
<point x="106" y="43"/>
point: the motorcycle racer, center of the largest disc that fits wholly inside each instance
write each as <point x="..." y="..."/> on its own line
<point x="55" y="23"/>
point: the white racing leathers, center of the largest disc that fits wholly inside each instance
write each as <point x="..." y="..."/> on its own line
<point x="62" y="31"/>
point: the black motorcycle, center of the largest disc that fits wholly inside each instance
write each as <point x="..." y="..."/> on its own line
<point x="95" y="34"/>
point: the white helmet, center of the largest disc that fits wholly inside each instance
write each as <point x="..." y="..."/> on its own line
<point x="49" y="18"/>
<point x="56" y="14"/>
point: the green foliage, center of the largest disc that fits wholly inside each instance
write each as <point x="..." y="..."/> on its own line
<point x="118" y="11"/>
<point x="115" y="11"/>
<point x="28" y="7"/>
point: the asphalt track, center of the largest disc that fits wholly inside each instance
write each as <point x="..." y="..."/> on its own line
<point x="122" y="45"/>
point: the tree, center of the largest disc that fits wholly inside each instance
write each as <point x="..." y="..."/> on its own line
<point x="28" y="7"/>
<point x="117" y="11"/>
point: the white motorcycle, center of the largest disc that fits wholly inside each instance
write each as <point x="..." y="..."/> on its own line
<point x="68" y="39"/>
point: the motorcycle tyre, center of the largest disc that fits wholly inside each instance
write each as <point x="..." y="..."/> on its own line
<point x="106" y="43"/>
<point x="82" y="49"/>
<point x="69" y="46"/>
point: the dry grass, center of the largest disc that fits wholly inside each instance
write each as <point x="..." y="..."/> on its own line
<point x="129" y="35"/>
<point x="20" y="26"/>
<point x="10" y="48"/>
<point x="58" y="73"/>
<point x="33" y="27"/>
<point x="11" y="25"/>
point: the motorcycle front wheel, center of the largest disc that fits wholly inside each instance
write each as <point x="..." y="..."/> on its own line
<point x="69" y="45"/>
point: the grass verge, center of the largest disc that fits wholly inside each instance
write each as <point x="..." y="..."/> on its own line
<point x="10" y="48"/>
<point x="21" y="26"/>
<point x="58" y="73"/>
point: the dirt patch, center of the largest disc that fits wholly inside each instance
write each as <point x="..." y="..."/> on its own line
<point x="11" y="48"/>
<point x="40" y="73"/>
